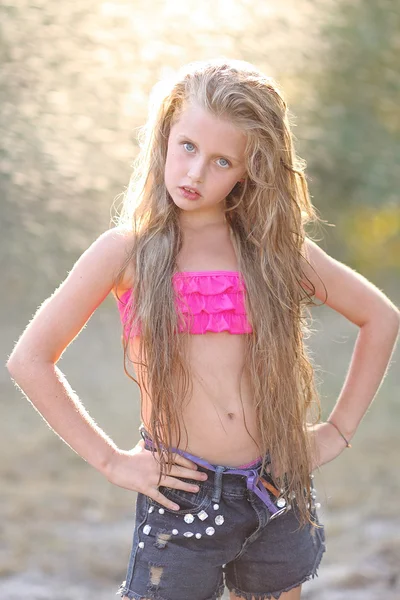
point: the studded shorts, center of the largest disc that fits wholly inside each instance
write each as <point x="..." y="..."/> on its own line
<point x="194" y="552"/>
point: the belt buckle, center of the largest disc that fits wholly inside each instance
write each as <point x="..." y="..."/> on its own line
<point x="279" y="513"/>
<point x="271" y="488"/>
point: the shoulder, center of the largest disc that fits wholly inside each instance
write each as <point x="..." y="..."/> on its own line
<point x="341" y="287"/>
<point x="114" y="242"/>
<point x="320" y="269"/>
<point x="110" y="252"/>
<point x="62" y="316"/>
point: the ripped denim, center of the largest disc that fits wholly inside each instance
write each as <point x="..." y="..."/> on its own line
<point x="224" y="534"/>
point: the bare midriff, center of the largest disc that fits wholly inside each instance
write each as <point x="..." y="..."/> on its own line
<point x="221" y="404"/>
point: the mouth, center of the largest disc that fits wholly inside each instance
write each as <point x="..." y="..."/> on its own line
<point x="191" y="190"/>
<point x="190" y="193"/>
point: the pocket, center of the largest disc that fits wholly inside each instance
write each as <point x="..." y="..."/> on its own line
<point x="189" y="502"/>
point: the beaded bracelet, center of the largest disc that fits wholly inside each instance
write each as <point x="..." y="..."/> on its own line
<point x="336" y="427"/>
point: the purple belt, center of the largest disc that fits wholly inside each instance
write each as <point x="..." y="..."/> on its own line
<point x="253" y="480"/>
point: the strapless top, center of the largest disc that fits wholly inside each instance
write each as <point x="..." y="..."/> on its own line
<point x="214" y="301"/>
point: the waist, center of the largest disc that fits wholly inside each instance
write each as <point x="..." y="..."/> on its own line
<point x="235" y="481"/>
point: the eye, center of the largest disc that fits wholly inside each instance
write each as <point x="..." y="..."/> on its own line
<point x="187" y="144"/>
<point x="228" y="164"/>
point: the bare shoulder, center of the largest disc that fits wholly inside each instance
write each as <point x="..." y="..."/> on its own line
<point x="110" y="252"/>
<point x="100" y="264"/>
<point x="341" y="287"/>
<point x="62" y="316"/>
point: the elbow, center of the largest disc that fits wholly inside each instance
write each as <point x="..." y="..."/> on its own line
<point x="388" y="317"/>
<point x="391" y="323"/>
<point x="14" y="365"/>
<point x="23" y="364"/>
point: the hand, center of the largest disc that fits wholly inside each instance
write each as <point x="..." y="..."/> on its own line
<point x="327" y="443"/>
<point x="138" y="470"/>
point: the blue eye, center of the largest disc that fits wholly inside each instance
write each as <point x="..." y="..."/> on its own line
<point x="228" y="164"/>
<point x="187" y="144"/>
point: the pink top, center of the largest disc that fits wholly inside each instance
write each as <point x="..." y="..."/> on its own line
<point x="215" y="300"/>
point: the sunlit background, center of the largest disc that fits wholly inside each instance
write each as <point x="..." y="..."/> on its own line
<point x="75" y="80"/>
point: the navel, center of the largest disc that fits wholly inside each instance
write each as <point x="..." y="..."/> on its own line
<point x="231" y="416"/>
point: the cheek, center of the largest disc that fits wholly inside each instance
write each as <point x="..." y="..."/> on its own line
<point x="172" y="164"/>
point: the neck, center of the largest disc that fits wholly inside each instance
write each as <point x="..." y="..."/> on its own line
<point x="197" y="220"/>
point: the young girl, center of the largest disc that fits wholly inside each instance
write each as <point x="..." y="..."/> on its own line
<point x="212" y="273"/>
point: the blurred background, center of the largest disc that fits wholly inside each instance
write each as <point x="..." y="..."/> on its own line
<point x="75" y="79"/>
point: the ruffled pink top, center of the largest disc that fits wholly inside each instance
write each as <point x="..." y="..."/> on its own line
<point x="214" y="301"/>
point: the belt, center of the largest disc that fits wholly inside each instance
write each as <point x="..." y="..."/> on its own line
<point x="254" y="482"/>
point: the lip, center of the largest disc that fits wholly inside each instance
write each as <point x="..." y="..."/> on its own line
<point x="191" y="188"/>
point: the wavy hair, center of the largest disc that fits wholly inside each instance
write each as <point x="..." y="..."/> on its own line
<point x="267" y="215"/>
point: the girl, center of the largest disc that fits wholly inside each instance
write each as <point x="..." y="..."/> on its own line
<point x="212" y="273"/>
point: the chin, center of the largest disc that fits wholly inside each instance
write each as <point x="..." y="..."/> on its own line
<point x="181" y="202"/>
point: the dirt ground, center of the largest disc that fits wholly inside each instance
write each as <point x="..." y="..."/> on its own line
<point x="66" y="532"/>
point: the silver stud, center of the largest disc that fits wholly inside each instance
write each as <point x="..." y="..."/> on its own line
<point x="146" y="529"/>
<point x="198" y="535"/>
<point x="281" y="502"/>
<point x="293" y="495"/>
<point x="188" y="518"/>
<point x="216" y="506"/>
<point x="311" y="476"/>
<point x="151" y="508"/>
<point x="161" y="511"/>
<point x="219" y="519"/>
<point x="317" y="505"/>
<point x="188" y="534"/>
<point x="175" y="532"/>
<point x="202" y="515"/>
<point x="141" y="544"/>
<point x="210" y="531"/>
<point x="313" y="495"/>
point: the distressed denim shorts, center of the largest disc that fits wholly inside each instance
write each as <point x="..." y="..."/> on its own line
<point x="224" y="534"/>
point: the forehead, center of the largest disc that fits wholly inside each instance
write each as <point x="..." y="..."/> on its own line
<point x="215" y="135"/>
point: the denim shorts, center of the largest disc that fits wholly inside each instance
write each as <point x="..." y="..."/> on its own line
<point x="194" y="552"/>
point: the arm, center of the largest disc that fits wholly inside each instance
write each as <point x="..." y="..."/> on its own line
<point x="359" y="301"/>
<point x="58" y="321"/>
<point x="32" y="365"/>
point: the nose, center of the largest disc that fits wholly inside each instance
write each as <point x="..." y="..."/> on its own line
<point x="196" y="170"/>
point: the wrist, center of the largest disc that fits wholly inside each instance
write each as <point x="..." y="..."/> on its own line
<point x="345" y="439"/>
<point x="108" y="462"/>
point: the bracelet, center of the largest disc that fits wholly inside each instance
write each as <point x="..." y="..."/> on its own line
<point x="336" y="427"/>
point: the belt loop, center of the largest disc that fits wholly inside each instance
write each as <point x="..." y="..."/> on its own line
<point x="218" y="483"/>
<point x="142" y="430"/>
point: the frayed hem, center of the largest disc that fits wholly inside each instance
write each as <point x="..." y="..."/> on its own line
<point x="277" y="595"/>
<point x="124" y="591"/>
<point x="219" y="593"/>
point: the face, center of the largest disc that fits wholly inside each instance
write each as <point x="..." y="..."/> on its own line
<point x="205" y="153"/>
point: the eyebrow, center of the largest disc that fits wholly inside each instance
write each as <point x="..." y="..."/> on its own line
<point x="186" y="137"/>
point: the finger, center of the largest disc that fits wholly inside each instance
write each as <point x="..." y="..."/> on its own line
<point x="163" y="500"/>
<point x="177" y="471"/>
<point x="177" y="484"/>
<point x="178" y="459"/>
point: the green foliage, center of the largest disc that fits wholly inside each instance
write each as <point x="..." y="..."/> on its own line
<point x="74" y="87"/>
<point x="353" y="147"/>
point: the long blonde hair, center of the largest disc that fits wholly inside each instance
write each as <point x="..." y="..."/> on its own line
<point x="266" y="215"/>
